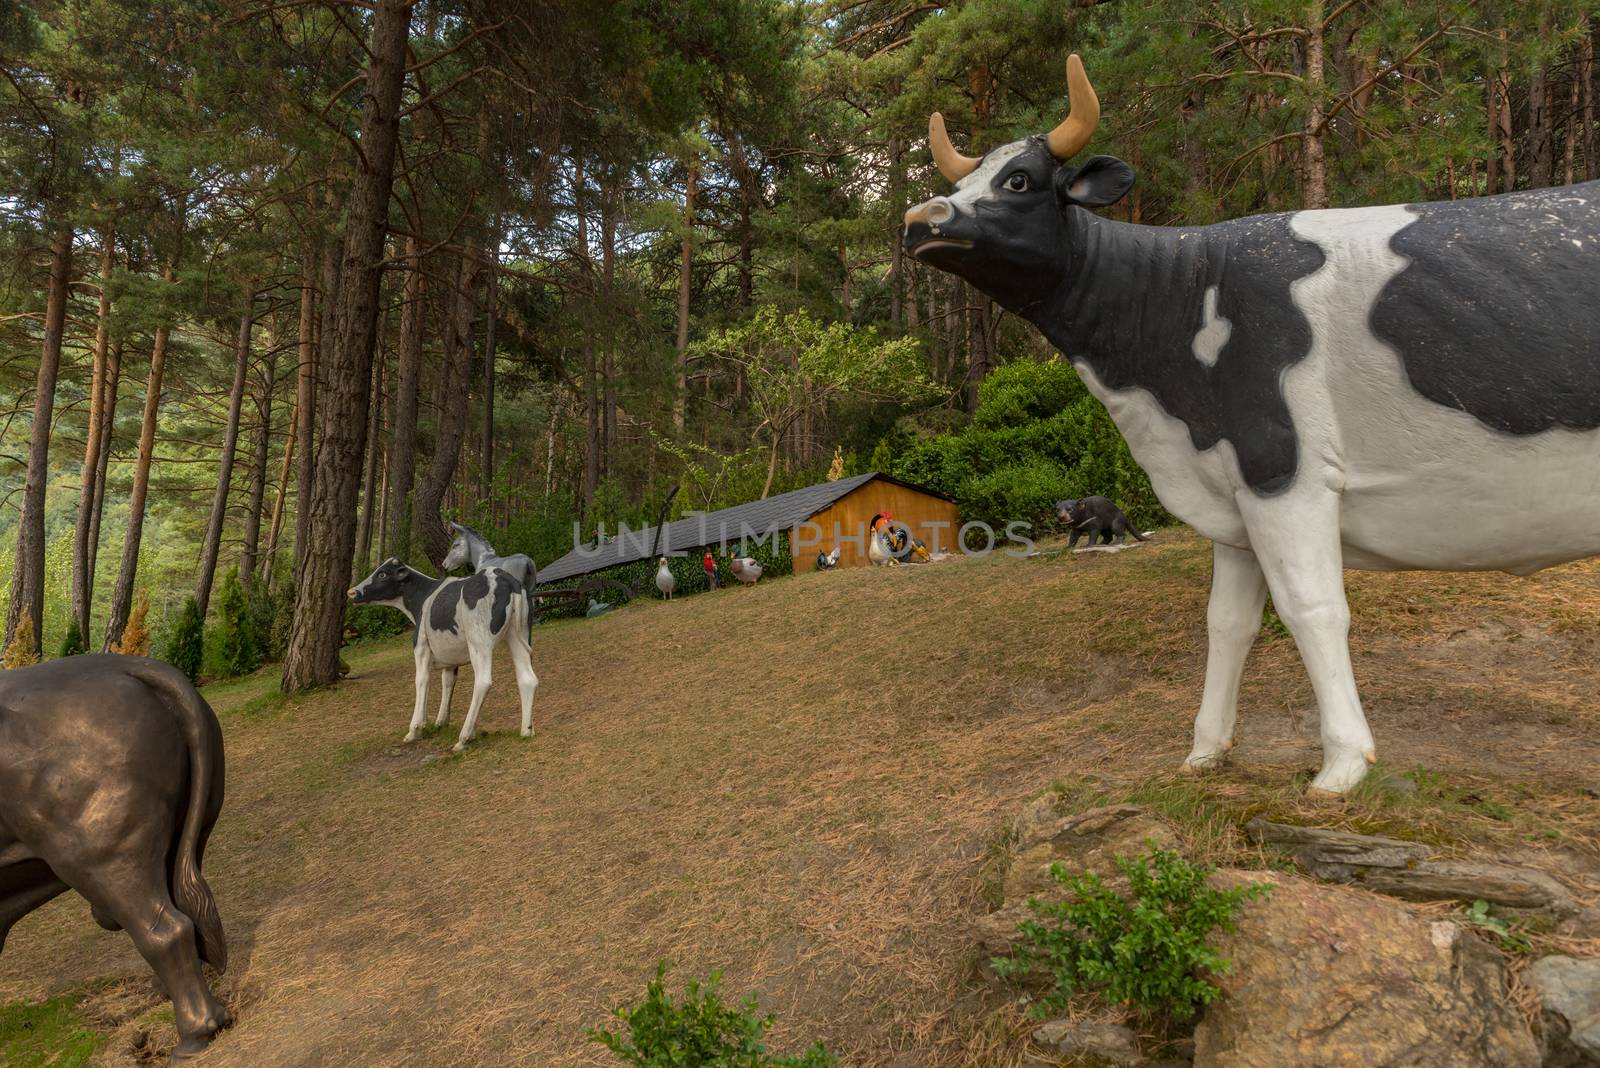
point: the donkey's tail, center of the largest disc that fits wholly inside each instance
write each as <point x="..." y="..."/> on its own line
<point x="202" y="736"/>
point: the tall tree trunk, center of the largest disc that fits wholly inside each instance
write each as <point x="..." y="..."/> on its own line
<point x="259" y="453"/>
<point x="1314" y="187"/>
<point x="686" y="265"/>
<point x="407" y="391"/>
<point x="897" y="207"/>
<point x="212" y="546"/>
<point x="312" y="656"/>
<point x="1501" y="128"/>
<point x="608" y="289"/>
<point x="275" y="526"/>
<point x="108" y="423"/>
<point x="82" y="576"/>
<point x="492" y="311"/>
<point x="369" y="482"/>
<point x="1569" y="155"/>
<point x="27" y="576"/>
<point x="452" y="416"/>
<point x="305" y="399"/>
<point x="1541" y="143"/>
<point x="591" y="395"/>
<point x="128" y="573"/>
<point x="1591" y="129"/>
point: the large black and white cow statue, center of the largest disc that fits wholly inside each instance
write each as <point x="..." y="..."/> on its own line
<point x="458" y="621"/>
<point x="1406" y="387"/>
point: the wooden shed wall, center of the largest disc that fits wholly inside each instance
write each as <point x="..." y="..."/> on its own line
<point x="852" y="512"/>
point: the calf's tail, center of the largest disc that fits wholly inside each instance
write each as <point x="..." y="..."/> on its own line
<point x="1135" y="532"/>
<point x="202" y="736"/>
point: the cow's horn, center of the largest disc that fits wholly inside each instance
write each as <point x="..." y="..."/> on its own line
<point x="1068" y="139"/>
<point x="952" y="164"/>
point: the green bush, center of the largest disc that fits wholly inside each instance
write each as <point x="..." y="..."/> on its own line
<point x="184" y="646"/>
<point x="1145" y="949"/>
<point x="373" y="622"/>
<point x="1038" y="436"/>
<point x="701" y="1031"/>
<point x="239" y="643"/>
<point x="282" y="621"/>
<point x="72" y="641"/>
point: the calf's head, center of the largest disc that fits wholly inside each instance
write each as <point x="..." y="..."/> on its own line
<point x="1004" y="228"/>
<point x="386" y="585"/>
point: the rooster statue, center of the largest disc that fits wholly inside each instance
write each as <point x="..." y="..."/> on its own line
<point x="893" y="543"/>
<point x="828" y="561"/>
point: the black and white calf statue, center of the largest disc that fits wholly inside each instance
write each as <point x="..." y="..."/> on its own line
<point x="459" y="621"/>
<point x="470" y="549"/>
<point x="111" y="774"/>
<point x="1406" y="387"/>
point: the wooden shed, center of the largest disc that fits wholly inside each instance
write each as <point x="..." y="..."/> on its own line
<point x="815" y="518"/>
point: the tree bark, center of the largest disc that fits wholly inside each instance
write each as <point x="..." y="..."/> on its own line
<point x="486" y="446"/>
<point x="305" y="399"/>
<point x="1569" y="156"/>
<point x="82" y="576"/>
<point x="27" y="575"/>
<point x="1314" y="190"/>
<point x="369" y="482"/>
<point x="259" y="454"/>
<point x="407" y="391"/>
<point x="452" y="415"/>
<point x="128" y="572"/>
<point x="276" y="525"/>
<point x="686" y="265"/>
<point x="212" y="546"/>
<point x="1591" y="129"/>
<point x="312" y="656"/>
<point x="1541" y="144"/>
<point x="608" y="305"/>
<point x="591" y="395"/>
<point x="108" y="423"/>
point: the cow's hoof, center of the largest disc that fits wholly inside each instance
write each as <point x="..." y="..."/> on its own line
<point x="1341" y="772"/>
<point x="1199" y="763"/>
<point x="527" y="732"/>
<point x="459" y="747"/>
<point x="411" y="736"/>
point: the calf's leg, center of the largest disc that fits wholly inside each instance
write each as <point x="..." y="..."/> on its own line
<point x="1238" y="593"/>
<point x="419" y="714"/>
<point x="522" y="664"/>
<point x="447" y="686"/>
<point x="482" y="668"/>
<point x="1296" y="541"/>
<point x="24" y="886"/>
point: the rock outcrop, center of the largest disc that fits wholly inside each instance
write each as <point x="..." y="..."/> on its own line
<point x="1324" y="978"/>
<point x="1569" y="994"/>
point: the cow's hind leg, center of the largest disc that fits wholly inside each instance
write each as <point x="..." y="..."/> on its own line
<point x="447" y="686"/>
<point x="419" y="714"/>
<point x="482" y="671"/>
<point x="1297" y="543"/>
<point x="131" y="889"/>
<point x="522" y="664"/>
<point x="1238" y="593"/>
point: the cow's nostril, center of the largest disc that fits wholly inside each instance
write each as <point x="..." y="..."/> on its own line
<point x="933" y="212"/>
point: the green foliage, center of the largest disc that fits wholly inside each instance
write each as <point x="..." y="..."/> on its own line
<point x="1479" y="916"/>
<point x="1038" y="437"/>
<point x="373" y="622"/>
<point x="1146" y="949"/>
<point x="700" y="1031"/>
<point x="72" y="641"/>
<point x="282" y="622"/>
<point x="184" y="645"/>
<point x="48" y="1033"/>
<point x="242" y="648"/>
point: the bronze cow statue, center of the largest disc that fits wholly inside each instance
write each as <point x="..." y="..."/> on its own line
<point x="111" y="774"/>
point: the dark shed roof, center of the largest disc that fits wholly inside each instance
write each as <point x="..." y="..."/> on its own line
<point x="756" y="519"/>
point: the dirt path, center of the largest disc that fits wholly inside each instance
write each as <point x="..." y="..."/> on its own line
<point x="798" y="784"/>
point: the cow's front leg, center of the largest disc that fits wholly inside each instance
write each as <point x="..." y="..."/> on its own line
<point x="1296" y="541"/>
<point x="419" y="714"/>
<point x="1233" y="618"/>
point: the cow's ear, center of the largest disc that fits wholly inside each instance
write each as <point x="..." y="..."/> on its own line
<point x="1102" y="180"/>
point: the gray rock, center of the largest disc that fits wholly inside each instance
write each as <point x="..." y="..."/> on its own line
<point x="1107" y="1041"/>
<point x="1569" y="992"/>
<point x="1408" y="870"/>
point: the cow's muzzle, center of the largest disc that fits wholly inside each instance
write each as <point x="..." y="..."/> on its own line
<point x="925" y="228"/>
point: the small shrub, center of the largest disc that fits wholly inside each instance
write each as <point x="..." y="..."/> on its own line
<point x="373" y="622"/>
<point x="1144" y="949"/>
<point x="185" y="646"/>
<point x="23" y="649"/>
<point x="282" y="622"/>
<point x="72" y="641"/>
<point x="701" y="1031"/>
<point x="135" y="640"/>
<point x="239" y="645"/>
<point x="1480" y="917"/>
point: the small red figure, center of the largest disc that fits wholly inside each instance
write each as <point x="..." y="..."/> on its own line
<point x="709" y="562"/>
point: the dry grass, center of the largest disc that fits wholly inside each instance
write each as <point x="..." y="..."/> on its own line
<point x="806" y="786"/>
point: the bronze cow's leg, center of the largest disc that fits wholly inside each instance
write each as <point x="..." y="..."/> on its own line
<point x="24" y="886"/>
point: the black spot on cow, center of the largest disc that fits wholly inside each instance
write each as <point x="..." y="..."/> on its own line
<point x="1498" y="313"/>
<point x="1132" y="304"/>
<point x="474" y="589"/>
<point x="442" y="613"/>
<point x="505" y="587"/>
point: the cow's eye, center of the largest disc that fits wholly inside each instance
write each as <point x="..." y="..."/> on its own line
<point x="1017" y="183"/>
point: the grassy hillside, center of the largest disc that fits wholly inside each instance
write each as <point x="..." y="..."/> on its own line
<point x="805" y="785"/>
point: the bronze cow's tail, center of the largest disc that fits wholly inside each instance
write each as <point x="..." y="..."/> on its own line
<point x="203" y="737"/>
